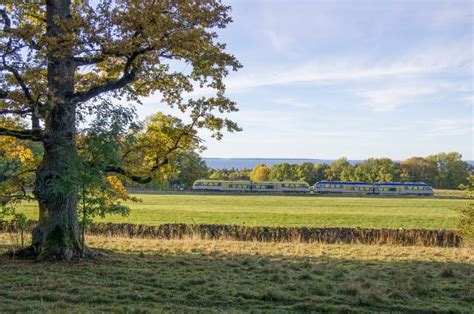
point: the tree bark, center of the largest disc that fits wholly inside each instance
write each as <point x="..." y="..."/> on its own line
<point x="57" y="235"/>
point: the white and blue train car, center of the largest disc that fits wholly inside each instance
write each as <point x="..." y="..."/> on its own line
<point x="343" y="187"/>
<point x="394" y="188"/>
<point x="249" y="186"/>
<point x="408" y="188"/>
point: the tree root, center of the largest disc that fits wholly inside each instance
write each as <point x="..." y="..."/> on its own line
<point x="65" y="255"/>
<point x="24" y="253"/>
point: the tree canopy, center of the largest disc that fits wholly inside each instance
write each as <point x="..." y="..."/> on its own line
<point x="260" y="173"/>
<point x="70" y="72"/>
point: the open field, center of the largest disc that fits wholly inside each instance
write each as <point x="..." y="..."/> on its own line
<point x="450" y="193"/>
<point x="267" y="210"/>
<point x="197" y="275"/>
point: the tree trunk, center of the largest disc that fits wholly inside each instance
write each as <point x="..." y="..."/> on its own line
<point x="57" y="235"/>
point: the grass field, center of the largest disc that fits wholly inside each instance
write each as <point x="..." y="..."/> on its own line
<point x="209" y="276"/>
<point x="370" y="212"/>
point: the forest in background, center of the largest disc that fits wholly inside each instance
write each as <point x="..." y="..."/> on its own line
<point x="442" y="171"/>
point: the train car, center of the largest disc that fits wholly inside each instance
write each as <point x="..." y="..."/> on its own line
<point x="406" y="188"/>
<point x="294" y="186"/>
<point x="392" y="188"/>
<point x="265" y="186"/>
<point x="208" y="185"/>
<point x="343" y="187"/>
<point x="388" y="188"/>
<point x="418" y="188"/>
<point x="249" y="186"/>
<point x="237" y="186"/>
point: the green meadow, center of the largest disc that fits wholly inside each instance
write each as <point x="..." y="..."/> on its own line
<point x="282" y="210"/>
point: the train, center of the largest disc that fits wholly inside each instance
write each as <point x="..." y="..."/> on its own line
<point x="249" y="186"/>
<point x="322" y="187"/>
<point x="392" y="188"/>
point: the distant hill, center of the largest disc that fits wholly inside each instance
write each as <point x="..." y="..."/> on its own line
<point x="241" y="163"/>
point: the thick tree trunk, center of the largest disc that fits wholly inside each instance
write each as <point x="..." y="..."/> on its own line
<point x="57" y="235"/>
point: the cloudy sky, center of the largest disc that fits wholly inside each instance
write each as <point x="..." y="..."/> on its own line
<point x="326" y="79"/>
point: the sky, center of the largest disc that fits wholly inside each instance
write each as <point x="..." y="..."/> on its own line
<point x="355" y="79"/>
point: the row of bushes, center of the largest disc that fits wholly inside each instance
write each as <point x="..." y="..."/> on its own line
<point x="405" y="237"/>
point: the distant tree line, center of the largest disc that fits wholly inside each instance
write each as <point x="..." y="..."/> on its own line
<point x="443" y="171"/>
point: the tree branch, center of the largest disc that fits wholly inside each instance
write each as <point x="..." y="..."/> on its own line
<point x="6" y="20"/>
<point x="138" y="179"/>
<point x="80" y="61"/>
<point x="12" y="111"/>
<point x="20" y="81"/>
<point x="32" y="135"/>
<point x="107" y="87"/>
<point x="129" y="75"/>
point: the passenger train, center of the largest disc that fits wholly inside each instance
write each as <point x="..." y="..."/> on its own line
<point x="249" y="186"/>
<point x="407" y="188"/>
<point x="323" y="187"/>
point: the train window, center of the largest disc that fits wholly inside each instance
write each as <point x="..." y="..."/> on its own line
<point x="238" y="186"/>
<point x="263" y="187"/>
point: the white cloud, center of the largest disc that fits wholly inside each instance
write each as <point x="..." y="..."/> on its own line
<point x="291" y="102"/>
<point x="389" y="99"/>
<point x="448" y="127"/>
<point x="449" y="58"/>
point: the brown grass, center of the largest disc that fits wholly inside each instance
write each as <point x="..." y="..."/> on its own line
<point x="406" y="237"/>
<point x="195" y="275"/>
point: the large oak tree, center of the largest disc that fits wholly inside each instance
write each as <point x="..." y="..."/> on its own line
<point x="61" y="60"/>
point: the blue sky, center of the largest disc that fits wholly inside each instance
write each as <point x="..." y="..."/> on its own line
<point x="360" y="79"/>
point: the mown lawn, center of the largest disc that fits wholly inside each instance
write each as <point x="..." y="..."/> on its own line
<point x="136" y="275"/>
<point x="288" y="211"/>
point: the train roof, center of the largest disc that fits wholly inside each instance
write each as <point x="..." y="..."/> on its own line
<point x="344" y="182"/>
<point x="248" y="181"/>
<point x="379" y="183"/>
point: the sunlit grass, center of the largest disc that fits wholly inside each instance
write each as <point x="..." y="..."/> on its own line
<point x="270" y="210"/>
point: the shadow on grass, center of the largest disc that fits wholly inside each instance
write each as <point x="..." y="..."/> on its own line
<point x="205" y="281"/>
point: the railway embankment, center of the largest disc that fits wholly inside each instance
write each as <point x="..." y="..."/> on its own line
<point x="329" y="235"/>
